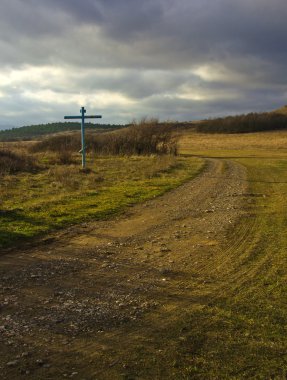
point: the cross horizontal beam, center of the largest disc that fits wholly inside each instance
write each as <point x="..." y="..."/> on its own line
<point x="86" y="117"/>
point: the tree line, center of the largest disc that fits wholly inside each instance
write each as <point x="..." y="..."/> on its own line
<point x="252" y="122"/>
<point x="34" y="131"/>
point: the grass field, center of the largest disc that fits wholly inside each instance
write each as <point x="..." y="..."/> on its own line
<point x="226" y="319"/>
<point x="243" y="331"/>
<point x="62" y="195"/>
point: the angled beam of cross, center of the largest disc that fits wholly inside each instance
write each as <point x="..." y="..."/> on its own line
<point x="83" y="117"/>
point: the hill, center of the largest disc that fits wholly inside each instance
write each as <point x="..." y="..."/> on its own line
<point x="281" y="111"/>
<point x="252" y="122"/>
<point x="35" y="131"/>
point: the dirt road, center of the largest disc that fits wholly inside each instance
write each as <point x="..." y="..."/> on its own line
<point x="107" y="300"/>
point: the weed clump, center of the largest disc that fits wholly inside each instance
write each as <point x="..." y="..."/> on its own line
<point x="11" y="162"/>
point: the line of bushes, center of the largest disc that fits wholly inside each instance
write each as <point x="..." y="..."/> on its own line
<point x="143" y="138"/>
<point x="252" y="122"/>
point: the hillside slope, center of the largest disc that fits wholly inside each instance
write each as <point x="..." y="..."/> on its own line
<point x="35" y="131"/>
<point x="281" y="111"/>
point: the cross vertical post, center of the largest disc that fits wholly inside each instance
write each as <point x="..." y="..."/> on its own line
<point x="83" y="111"/>
<point x="83" y="117"/>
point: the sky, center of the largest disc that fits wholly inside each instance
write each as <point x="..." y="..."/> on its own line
<point x="127" y="59"/>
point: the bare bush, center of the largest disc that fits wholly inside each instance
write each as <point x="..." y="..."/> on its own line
<point x="65" y="157"/>
<point x="62" y="145"/>
<point x="11" y="162"/>
<point x="144" y="138"/>
<point x="58" y="143"/>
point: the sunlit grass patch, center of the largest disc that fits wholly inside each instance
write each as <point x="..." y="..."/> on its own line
<point x="239" y="329"/>
<point x="260" y="144"/>
<point x="62" y="195"/>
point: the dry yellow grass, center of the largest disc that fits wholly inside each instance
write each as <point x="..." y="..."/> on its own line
<point x="255" y="144"/>
<point x="282" y="110"/>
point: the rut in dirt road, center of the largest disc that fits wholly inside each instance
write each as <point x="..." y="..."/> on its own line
<point x="64" y="305"/>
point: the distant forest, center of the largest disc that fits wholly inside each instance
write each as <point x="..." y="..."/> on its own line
<point x="34" y="131"/>
<point x="252" y="122"/>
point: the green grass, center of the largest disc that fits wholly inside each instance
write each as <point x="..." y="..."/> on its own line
<point x="235" y="326"/>
<point x="33" y="204"/>
<point x="254" y="293"/>
<point x="238" y="330"/>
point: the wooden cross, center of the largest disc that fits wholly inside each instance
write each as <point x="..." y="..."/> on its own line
<point x="83" y="117"/>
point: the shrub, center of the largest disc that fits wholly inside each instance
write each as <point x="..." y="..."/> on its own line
<point x="58" y="143"/>
<point x="144" y="138"/>
<point x="11" y="162"/>
<point x="65" y="157"/>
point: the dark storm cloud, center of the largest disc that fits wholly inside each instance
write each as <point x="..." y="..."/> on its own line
<point x="190" y="58"/>
<point x="132" y="19"/>
<point x="82" y="11"/>
<point x="136" y="84"/>
<point x="150" y="33"/>
<point x="191" y="31"/>
<point x="20" y="19"/>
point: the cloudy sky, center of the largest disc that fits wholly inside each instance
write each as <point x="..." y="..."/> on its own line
<point x="125" y="59"/>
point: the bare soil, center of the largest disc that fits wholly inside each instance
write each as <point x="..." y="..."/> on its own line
<point x="106" y="300"/>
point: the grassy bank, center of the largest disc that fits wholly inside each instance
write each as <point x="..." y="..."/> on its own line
<point x="238" y="330"/>
<point x="62" y="195"/>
